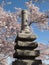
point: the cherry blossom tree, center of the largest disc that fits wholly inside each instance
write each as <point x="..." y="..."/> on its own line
<point x="10" y="25"/>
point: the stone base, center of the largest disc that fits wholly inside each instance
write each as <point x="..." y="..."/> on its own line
<point x="27" y="62"/>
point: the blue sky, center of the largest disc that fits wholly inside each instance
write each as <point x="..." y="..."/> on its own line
<point x="43" y="37"/>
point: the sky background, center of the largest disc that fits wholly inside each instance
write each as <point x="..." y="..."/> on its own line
<point x="43" y="37"/>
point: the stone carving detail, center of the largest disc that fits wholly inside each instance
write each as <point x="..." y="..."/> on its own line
<point x="25" y="45"/>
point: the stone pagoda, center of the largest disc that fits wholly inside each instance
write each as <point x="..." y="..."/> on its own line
<point x="25" y="53"/>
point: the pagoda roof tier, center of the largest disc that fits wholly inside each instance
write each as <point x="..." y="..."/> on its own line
<point x="27" y="62"/>
<point x="26" y="54"/>
<point x="26" y="45"/>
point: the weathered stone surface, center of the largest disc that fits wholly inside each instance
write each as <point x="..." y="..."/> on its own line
<point x="26" y="54"/>
<point x="27" y="62"/>
<point x="25" y="37"/>
<point x="24" y="19"/>
<point x="26" y="45"/>
<point x="27" y="29"/>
